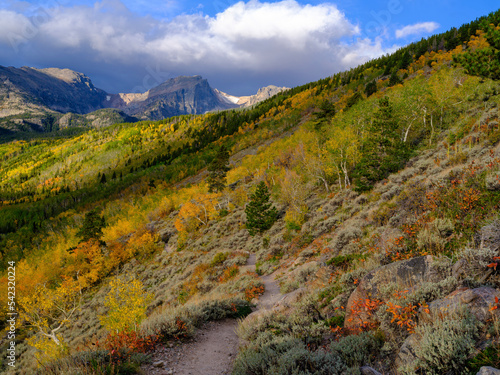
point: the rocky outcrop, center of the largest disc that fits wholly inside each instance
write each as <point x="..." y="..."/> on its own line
<point x="480" y="302"/>
<point x="406" y="274"/>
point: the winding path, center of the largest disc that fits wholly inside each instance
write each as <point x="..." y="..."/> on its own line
<point x="215" y="345"/>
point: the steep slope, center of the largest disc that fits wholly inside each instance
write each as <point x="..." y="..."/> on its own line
<point x="387" y="189"/>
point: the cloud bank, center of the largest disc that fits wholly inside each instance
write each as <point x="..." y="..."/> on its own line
<point x="246" y="46"/>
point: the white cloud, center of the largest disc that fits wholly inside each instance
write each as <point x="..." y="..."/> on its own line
<point x="270" y="43"/>
<point x="416" y="29"/>
<point x="14" y="26"/>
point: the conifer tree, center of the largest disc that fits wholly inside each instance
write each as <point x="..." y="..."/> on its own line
<point x="261" y="214"/>
<point x="383" y="151"/>
<point x="394" y="80"/>
<point x="370" y="88"/>
<point x="217" y="171"/>
<point x="92" y="227"/>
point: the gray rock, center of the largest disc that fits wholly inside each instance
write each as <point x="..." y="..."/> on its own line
<point x="158" y="364"/>
<point x="487" y="370"/>
<point x="459" y="268"/>
<point x="366" y="370"/>
<point x="289" y="299"/>
<point x="478" y="301"/>
<point x="406" y="355"/>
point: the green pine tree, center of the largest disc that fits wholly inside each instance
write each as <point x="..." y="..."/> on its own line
<point x="383" y="150"/>
<point x="394" y="80"/>
<point x="326" y="110"/>
<point x="217" y="171"/>
<point x="370" y="88"/>
<point x="261" y="215"/>
<point x="92" y="227"/>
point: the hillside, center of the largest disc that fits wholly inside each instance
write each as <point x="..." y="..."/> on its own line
<point x="384" y="240"/>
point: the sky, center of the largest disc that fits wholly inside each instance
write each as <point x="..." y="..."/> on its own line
<point x="239" y="46"/>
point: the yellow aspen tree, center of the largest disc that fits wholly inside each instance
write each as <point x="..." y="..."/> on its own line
<point x="126" y="303"/>
<point x="197" y="212"/>
<point x="47" y="311"/>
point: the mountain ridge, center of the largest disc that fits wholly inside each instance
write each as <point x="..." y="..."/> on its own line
<point x="31" y="97"/>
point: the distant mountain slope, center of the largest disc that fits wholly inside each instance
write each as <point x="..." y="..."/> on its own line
<point x="60" y="90"/>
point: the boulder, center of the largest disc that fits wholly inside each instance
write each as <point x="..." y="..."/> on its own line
<point x="478" y="301"/>
<point x="289" y="300"/>
<point x="407" y="274"/>
<point x="406" y="355"/>
<point x="487" y="370"/>
<point x="366" y="370"/>
<point x="165" y="235"/>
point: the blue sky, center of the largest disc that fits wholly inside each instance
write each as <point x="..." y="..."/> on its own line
<point x="131" y="46"/>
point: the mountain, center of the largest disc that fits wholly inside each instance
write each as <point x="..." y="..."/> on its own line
<point x="60" y="90"/>
<point x="177" y="96"/>
<point x="248" y="101"/>
<point x="41" y="100"/>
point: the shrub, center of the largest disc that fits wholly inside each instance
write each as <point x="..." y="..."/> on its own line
<point x="344" y="260"/>
<point x="357" y="350"/>
<point x="447" y="343"/>
<point x="218" y="259"/>
<point x="345" y="236"/>
<point x="93" y="362"/>
<point x="182" y="320"/>
<point x="284" y="356"/>
<point x="433" y="237"/>
<point x="476" y="260"/>
<point x="401" y="321"/>
<point x="488" y="357"/>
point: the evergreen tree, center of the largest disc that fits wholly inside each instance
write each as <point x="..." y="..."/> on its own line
<point x="103" y="179"/>
<point x="261" y="215"/>
<point x="326" y="110"/>
<point x="405" y="61"/>
<point x="370" y="88"/>
<point x="394" y="80"/>
<point x="92" y="227"/>
<point x="217" y="171"/>
<point x="383" y="150"/>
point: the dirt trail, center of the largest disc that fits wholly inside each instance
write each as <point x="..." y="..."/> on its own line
<point x="214" y="346"/>
<point x="272" y="292"/>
